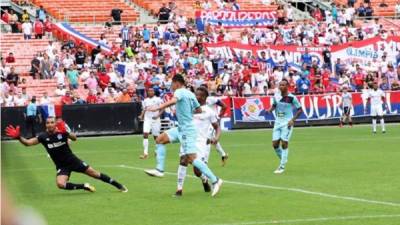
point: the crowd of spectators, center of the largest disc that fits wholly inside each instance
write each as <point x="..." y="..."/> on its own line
<point x="156" y="53"/>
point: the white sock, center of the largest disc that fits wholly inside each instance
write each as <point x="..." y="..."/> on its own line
<point x="181" y="176"/>
<point x="220" y="150"/>
<point x="374" y="125"/>
<point x="383" y="124"/>
<point x="146" y="146"/>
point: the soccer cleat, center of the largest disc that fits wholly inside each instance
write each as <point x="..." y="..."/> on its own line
<point x="123" y="189"/>
<point x="206" y="186"/>
<point x="178" y="193"/>
<point x="154" y="173"/>
<point x="224" y="159"/>
<point x="279" y="170"/>
<point x="144" y="156"/>
<point x="216" y="187"/>
<point x="88" y="187"/>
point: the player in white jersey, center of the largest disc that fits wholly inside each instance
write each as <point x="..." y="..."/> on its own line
<point x="347" y="104"/>
<point x="214" y="102"/>
<point x="152" y="122"/>
<point x="376" y="98"/>
<point x="202" y="121"/>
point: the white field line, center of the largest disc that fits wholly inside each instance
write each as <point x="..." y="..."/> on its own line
<point x="319" y="219"/>
<point x="238" y="183"/>
<point x="349" y="198"/>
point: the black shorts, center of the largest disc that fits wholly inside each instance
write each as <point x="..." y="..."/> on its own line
<point x="346" y="110"/>
<point x="78" y="166"/>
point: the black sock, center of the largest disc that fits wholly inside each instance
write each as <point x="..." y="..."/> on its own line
<point x="72" y="186"/>
<point x="109" y="180"/>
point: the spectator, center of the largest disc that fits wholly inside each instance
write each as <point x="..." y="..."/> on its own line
<point x="25" y="16"/>
<point x="164" y="14"/>
<point x="41" y="14"/>
<point x="25" y="94"/>
<point x="306" y="58"/>
<point x="19" y="100"/>
<point x="104" y="79"/>
<point x="303" y="85"/>
<point x="13" y="21"/>
<point x="6" y="16"/>
<point x="116" y="16"/>
<point x="68" y="62"/>
<point x="12" y="77"/>
<point x="383" y="4"/>
<point x="32" y="117"/>
<point x="91" y="82"/>
<point x="10" y="58"/>
<point x="45" y="100"/>
<point x="27" y="30"/>
<point x="59" y="75"/>
<point x="358" y="78"/>
<point x="361" y="11"/>
<point x="38" y="28"/>
<point x="66" y="99"/>
<point x="206" y="5"/>
<point x="77" y="100"/>
<point x="91" y="98"/>
<point x="369" y="11"/>
<point x="146" y="34"/>
<point x="45" y="67"/>
<point x="48" y="27"/>
<point x="80" y="58"/>
<point x="280" y="13"/>
<point x="60" y="91"/>
<point x="124" y="97"/>
<point x="73" y="78"/>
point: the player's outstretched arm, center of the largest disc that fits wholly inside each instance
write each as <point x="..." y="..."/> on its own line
<point x="164" y="105"/>
<point x="29" y="142"/>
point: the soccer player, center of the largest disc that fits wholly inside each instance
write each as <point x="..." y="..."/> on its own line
<point x="152" y="122"/>
<point x="213" y="102"/>
<point x="347" y="102"/>
<point x="186" y="104"/>
<point x="202" y="121"/>
<point x="283" y="103"/>
<point x="376" y="97"/>
<point x="56" y="143"/>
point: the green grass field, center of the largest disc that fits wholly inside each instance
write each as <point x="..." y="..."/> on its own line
<point x="334" y="176"/>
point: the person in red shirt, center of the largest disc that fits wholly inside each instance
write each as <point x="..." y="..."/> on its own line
<point x="10" y="58"/>
<point x="48" y="27"/>
<point x="38" y="27"/>
<point x="91" y="98"/>
<point x="104" y="79"/>
<point x="6" y="17"/>
<point x="358" y="78"/>
<point x="66" y="99"/>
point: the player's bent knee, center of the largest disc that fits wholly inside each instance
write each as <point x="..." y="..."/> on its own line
<point x="162" y="139"/>
<point x="275" y="144"/>
<point x="285" y="144"/>
<point x="184" y="161"/>
<point x="191" y="158"/>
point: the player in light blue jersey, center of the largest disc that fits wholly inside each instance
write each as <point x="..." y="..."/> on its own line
<point x="283" y="104"/>
<point x="186" y="105"/>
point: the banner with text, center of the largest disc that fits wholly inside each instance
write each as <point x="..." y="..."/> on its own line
<point x="235" y="19"/>
<point x="363" y="52"/>
<point x="315" y="107"/>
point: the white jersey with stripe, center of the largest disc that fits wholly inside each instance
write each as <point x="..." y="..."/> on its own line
<point x="203" y="121"/>
<point x="347" y="99"/>
<point x="376" y="97"/>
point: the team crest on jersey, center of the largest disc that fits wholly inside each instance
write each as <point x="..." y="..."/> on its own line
<point x="253" y="110"/>
<point x="59" y="136"/>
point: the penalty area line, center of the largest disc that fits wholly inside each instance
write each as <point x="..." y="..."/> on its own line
<point x="298" y="190"/>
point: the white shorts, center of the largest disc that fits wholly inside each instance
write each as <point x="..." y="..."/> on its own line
<point x="152" y="126"/>
<point x="203" y="152"/>
<point x="376" y="110"/>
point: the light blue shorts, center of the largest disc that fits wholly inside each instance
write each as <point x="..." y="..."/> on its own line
<point x="187" y="140"/>
<point x="282" y="132"/>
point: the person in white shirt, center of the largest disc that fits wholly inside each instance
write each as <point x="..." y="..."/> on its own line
<point x="45" y="100"/>
<point x="60" y="91"/>
<point x="27" y="30"/>
<point x="376" y="98"/>
<point x="347" y="104"/>
<point x="206" y="5"/>
<point x="151" y="120"/>
<point x="19" y="100"/>
<point x="8" y="100"/>
<point x="203" y="122"/>
<point x="68" y="61"/>
<point x="59" y="75"/>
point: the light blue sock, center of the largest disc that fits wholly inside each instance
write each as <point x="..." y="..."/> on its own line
<point x="284" y="159"/>
<point x="278" y="152"/>
<point x="205" y="170"/>
<point x="161" y="152"/>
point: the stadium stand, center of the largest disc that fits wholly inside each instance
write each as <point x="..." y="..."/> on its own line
<point x="89" y="11"/>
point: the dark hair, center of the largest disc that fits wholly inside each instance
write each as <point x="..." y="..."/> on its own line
<point x="204" y="90"/>
<point x="284" y="79"/>
<point x="178" y="78"/>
